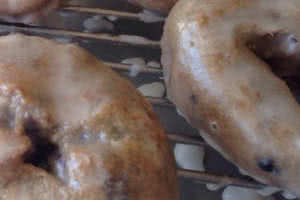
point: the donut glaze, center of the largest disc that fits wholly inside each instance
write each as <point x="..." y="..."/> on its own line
<point x="27" y="10"/>
<point x="71" y="128"/>
<point x="227" y="88"/>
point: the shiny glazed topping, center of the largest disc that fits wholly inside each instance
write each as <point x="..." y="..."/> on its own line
<point x="70" y="128"/>
<point x="231" y="67"/>
<point x="26" y="10"/>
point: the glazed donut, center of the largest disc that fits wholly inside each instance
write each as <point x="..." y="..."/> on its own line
<point x="27" y="10"/>
<point x="71" y="128"/>
<point x="162" y="6"/>
<point x="220" y="75"/>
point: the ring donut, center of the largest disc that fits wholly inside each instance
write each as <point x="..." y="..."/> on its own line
<point x="71" y="128"/>
<point x="225" y="62"/>
<point x="27" y="10"/>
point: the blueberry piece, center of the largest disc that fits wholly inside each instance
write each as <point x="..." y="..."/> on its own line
<point x="268" y="165"/>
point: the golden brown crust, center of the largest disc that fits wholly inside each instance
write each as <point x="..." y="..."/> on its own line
<point x="87" y="133"/>
<point x="27" y="10"/>
<point x="163" y="6"/>
<point x="238" y="105"/>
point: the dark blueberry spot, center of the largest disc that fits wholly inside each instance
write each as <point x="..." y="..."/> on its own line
<point x="214" y="125"/>
<point x="293" y="39"/>
<point x="268" y="165"/>
<point x="116" y="133"/>
<point x="192" y="43"/>
<point x="194" y="99"/>
<point x="42" y="148"/>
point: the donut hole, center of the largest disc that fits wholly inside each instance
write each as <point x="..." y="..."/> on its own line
<point x="43" y="150"/>
<point x="281" y="51"/>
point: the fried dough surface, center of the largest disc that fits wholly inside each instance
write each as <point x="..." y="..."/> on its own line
<point x="71" y="128"/>
<point x="228" y="88"/>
